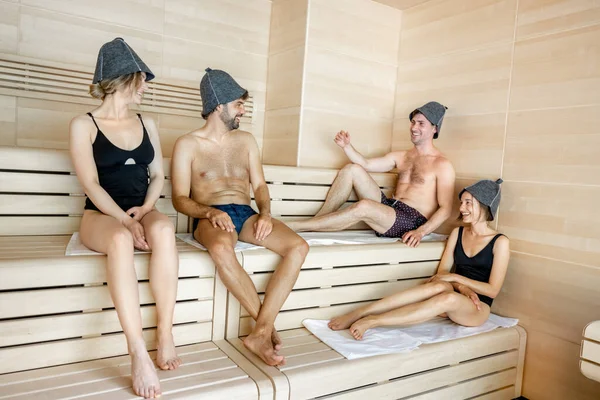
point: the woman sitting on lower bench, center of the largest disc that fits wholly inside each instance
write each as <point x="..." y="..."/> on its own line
<point x="465" y="296"/>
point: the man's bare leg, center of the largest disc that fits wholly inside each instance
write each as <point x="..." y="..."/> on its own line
<point x="349" y="177"/>
<point x="459" y="308"/>
<point x="293" y="250"/>
<point x="378" y="216"/>
<point x="413" y="295"/>
<point x="220" y="245"/>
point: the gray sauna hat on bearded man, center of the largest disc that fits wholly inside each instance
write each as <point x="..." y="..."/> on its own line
<point x="218" y="87"/>
<point x="487" y="193"/>
<point x="116" y="58"/>
<point x="434" y="112"/>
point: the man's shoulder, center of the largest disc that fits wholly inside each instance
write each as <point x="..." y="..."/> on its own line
<point x="442" y="162"/>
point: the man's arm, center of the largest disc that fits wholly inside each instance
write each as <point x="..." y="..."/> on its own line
<point x="445" y="196"/>
<point x="181" y="176"/>
<point x="377" y="164"/>
<point x="263" y="225"/>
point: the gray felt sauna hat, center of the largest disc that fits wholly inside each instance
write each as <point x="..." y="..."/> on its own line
<point x="218" y="87"/>
<point x="487" y="193"/>
<point x="434" y="112"/>
<point x="116" y="58"/>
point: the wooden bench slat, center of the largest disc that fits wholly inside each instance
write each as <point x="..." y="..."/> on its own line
<point x="311" y="359"/>
<point x="412" y="385"/>
<point x="590" y="351"/>
<point x="73" y="383"/>
<point x="69" y="351"/>
<point x="33" y="330"/>
<point x="16" y="204"/>
<point x="293" y="319"/>
<point x="321" y="176"/>
<point x="289" y="352"/>
<point x="590" y="370"/>
<point x="53" y="301"/>
<point x="344" y="294"/>
<point x="26" y="182"/>
<point x="474" y="387"/>
<point x="352" y="275"/>
<point x="346" y="255"/>
<point x="502" y="394"/>
<point x="206" y="349"/>
<point x="79" y="270"/>
<point x="592" y="331"/>
<point x="340" y="375"/>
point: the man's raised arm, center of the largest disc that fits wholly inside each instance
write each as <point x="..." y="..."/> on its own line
<point x="378" y="164"/>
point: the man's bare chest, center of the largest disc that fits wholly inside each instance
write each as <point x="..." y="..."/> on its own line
<point x="224" y="164"/>
<point x="415" y="173"/>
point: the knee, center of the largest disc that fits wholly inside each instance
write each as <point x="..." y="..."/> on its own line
<point x="161" y="231"/>
<point x="221" y="251"/>
<point x="447" y="300"/>
<point x="352" y="169"/>
<point x="299" y="248"/>
<point x="120" y="240"/>
<point x="441" y="287"/>
<point x="362" y="208"/>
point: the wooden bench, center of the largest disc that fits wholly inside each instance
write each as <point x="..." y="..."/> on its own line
<point x="336" y="279"/>
<point x="60" y="336"/>
<point x="59" y="333"/>
<point x="590" y="351"/>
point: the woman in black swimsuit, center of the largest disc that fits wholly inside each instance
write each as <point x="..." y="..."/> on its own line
<point x="118" y="160"/>
<point x="480" y="256"/>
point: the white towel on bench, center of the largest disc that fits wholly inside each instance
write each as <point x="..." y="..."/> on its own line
<point x="322" y="239"/>
<point x="76" y="248"/>
<point x="379" y="341"/>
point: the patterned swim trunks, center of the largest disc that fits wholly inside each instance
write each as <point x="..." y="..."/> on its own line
<point x="407" y="218"/>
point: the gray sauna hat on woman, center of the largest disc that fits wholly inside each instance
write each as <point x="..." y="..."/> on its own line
<point x="116" y="58"/>
<point x="487" y="193"/>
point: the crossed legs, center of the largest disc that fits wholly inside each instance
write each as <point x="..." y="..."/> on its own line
<point x="105" y="234"/>
<point x="419" y="304"/>
<point x="263" y="341"/>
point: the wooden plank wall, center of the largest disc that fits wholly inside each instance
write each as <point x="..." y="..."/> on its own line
<point x="332" y="66"/>
<point x="178" y="39"/>
<point x="521" y="79"/>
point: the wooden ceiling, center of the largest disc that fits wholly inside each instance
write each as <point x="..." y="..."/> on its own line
<point x="402" y="4"/>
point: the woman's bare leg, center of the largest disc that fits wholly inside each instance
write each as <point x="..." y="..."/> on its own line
<point x="397" y="300"/>
<point x="164" y="267"/>
<point x="459" y="308"/>
<point x="105" y="234"/>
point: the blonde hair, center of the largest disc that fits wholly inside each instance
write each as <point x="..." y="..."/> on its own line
<point x="109" y="86"/>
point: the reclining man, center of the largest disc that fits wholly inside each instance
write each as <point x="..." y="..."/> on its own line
<point x="423" y="197"/>
<point x="213" y="168"/>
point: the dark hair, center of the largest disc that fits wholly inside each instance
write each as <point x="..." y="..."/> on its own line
<point x="243" y="97"/>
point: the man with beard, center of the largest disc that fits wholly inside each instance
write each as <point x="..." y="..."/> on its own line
<point x="213" y="169"/>
<point x="422" y="200"/>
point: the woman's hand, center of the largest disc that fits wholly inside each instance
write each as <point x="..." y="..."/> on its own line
<point x="137" y="231"/>
<point x="138" y="213"/>
<point x="467" y="291"/>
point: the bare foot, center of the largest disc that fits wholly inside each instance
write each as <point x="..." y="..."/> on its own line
<point x="143" y="375"/>
<point x="343" y="321"/>
<point x="166" y="355"/>
<point x="358" y="328"/>
<point x="276" y="340"/>
<point x="262" y="346"/>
